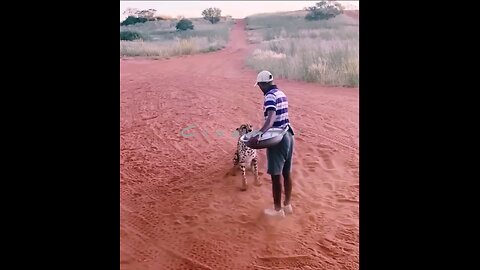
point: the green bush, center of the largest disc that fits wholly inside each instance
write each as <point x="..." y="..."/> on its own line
<point x="133" y="20"/>
<point x="184" y="24"/>
<point x="323" y="11"/>
<point x="130" y="35"/>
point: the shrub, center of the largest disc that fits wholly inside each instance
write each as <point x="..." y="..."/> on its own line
<point x="130" y="35"/>
<point x="184" y="24"/>
<point x="323" y="11"/>
<point x="133" y="20"/>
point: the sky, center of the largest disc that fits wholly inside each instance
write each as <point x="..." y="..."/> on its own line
<point x="237" y="9"/>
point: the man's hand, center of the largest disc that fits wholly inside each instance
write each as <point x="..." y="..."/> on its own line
<point x="253" y="141"/>
<point x="268" y="124"/>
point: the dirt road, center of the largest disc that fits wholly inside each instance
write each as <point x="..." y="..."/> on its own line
<point x="179" y="209"/>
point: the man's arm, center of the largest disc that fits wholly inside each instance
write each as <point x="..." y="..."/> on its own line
<point x="270" y="105"/>
<point x="269" y="122"/>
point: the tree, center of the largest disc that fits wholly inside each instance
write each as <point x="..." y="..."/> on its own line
<point x="131" y="12"/>
<point x="212" y="15"/>
<point x="184" y="24"/>
<point x="324" y="10"/>
<point x="162" y="18"/>
<point x="148" y="14"/>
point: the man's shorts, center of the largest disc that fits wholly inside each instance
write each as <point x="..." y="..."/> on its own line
<point x="279" y="157"/>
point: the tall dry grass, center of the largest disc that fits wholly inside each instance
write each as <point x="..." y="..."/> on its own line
<point x="325" y="52"/>
<point x="161" y="39"/>
<point x="170" y="48"/>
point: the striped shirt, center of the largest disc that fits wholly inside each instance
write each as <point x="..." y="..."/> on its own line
<point x="276" y="100"/>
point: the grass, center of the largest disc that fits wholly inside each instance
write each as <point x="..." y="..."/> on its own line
<point x="291" y="47"/>
<point x="161" y="39"/>
<point x="170" y="48"/>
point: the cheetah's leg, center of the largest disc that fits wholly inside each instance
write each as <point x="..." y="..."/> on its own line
<point x="244" y="178"/>
<point x="255" y="171"/>
<point x="235" y="163"/>
<point x="235" y="158"/>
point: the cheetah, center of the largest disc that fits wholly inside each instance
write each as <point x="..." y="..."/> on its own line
<point x="246" y="157"/>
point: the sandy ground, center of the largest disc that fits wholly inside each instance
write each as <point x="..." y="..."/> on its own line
<point x="179" y="208"/>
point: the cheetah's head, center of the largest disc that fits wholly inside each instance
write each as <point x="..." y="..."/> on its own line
<point x="244" y="129"/>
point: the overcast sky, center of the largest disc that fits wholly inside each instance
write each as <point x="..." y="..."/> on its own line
<point x="237" y="9"/>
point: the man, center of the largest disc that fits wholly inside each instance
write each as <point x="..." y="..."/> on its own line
<point x="279" y="157"/>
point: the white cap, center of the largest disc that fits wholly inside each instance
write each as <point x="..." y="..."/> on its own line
<point x="264" y="76"/>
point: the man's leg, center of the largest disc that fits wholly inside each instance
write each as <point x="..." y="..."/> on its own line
<point x="277" y="192"/>
<point x="286" y="172"/>
<point x="276" y="159"/>
<point x="287" y="183"/>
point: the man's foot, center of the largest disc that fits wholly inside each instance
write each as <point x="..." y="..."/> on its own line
<point x="274" y="213"/>
<point x="288" y="209"/>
